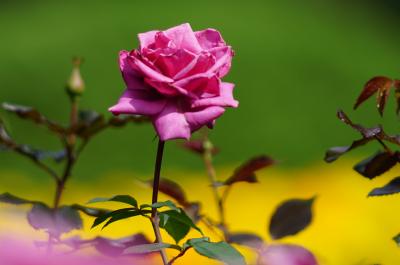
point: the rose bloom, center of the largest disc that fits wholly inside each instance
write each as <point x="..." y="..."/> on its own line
<point x="175" y="79"/>
<point x="286" y="254"/>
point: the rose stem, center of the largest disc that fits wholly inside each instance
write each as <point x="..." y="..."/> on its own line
<point x="207" y="159"/>
<point x="69" y="149"/>
<point x="156" y="182"/>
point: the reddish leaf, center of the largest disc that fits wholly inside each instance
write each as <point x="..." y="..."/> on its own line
<point x="391" y="188"/>
<point x="172" y="189"/>
<point x="291" y="217"/>
<point x="383" y="94"/>
<point x="396" y="84"/>
<point x="377" y="164"/>
<point x="246" y="172"/>
<point x="246" y="239"/>
<point x="379" y="83"/>
<point x="335" y="152"/>
<point x="365" y="132"/>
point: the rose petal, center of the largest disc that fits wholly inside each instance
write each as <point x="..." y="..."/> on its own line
<point x="140" y="102"/>
<point x="199" y="85"/>
<point x="200" y="65"/>
<point x="209" y="38"/>
<point x="198" y="119"/>
<point x="184" y="38"/>
<point x="225" y="98"/>
<point x="147" y="38"/>
<point x="164" y="88"/>
<point x="150" y="73"/>
<point x="171" y="123"/>
<point x="171" y="64"/>
<point x="132" y="77"/>
<point x="223" y="57"/>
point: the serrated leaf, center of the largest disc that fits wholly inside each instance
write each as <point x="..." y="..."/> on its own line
<point x="377" y="164"/>
<point x="390" y="188"/>
<point x="291" y="217"/>
<point x="105" y="217"/>
<point x="90" y="211"/>
<point x="246" y="239"/>
<point x="34" y="115"/>
<point x="149" y="248"/>
<point x="118" y="198"/>
<point x="383" y="94"/>
<point x="380" y="84"/>
<point x="221" y="251"/>
<point x="177" y="224"/>
<point x="365" y="132"/>
<point x="122" y="216"/>
<point x="246" y="172"/>
<point x="158" y="205"/>
<point x="12" y="199"/>
<point x="334" y="153"/>
<point x="172" y="189"/>
<point x="62" y="220"/>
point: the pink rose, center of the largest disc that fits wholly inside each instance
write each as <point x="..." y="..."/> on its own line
<point x="175" y="79"/>
<point x="286" y="254"/>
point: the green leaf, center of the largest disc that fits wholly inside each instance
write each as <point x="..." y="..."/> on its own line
<point x="95" y="212"/>
<point x="149" y="248"/>
<point x="291" y="217"/>
<point x="104" y="217"/>
<point x="12" y="199"/>
<point x="221" y="251"/>
<point x="158" y="205"/>
<point x="177" y="224"/>
<point x="390" y="188"/>
<point x="63" y="220"/>
<point x="121" y="216"/>
<point x="119" y="198"/>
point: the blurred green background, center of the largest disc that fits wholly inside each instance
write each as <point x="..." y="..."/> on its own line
<point x="296" y="63"/>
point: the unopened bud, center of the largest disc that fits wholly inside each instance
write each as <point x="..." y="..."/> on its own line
<point x="76" y="85"/>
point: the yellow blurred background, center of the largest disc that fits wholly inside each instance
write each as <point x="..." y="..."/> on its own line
<point x="348" y="228"/>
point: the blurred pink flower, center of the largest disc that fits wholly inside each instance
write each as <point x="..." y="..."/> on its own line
<point x="175" y="78"/>
<point x="14" y="252"/>
<point x="286" y="254"/>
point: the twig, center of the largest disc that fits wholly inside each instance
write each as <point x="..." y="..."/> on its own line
<point x="179" y="255"/>
<point x="207" y="159"/>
